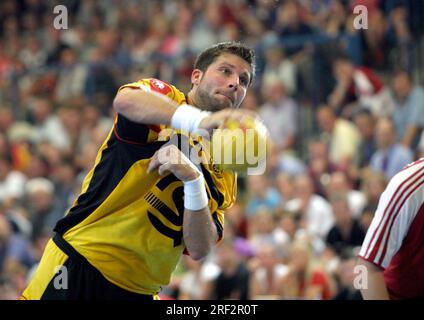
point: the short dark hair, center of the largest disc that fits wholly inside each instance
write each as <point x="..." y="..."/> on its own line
<point x="209" y="55"/>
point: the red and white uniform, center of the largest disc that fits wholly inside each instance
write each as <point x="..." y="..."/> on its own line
<point x="395" y="239"/>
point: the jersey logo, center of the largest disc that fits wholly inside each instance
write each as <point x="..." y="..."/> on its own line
<point x="175" y="218"/>
<point x="160" y="86"/>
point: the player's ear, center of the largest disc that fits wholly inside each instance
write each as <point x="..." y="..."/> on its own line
<point x="196" y="76"/>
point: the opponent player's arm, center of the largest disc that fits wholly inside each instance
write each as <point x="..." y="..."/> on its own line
<point x="376" y="287"/>
<point x="199" y="230"/>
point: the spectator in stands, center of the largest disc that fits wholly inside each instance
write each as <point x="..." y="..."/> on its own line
<point x="289" y="23"/>
<point x="236" y="215"/>
<point x="365" y="122"/>
<point x="195" y="282"/>
<point x="279" y="113"/>
<point x="37" y="249"/>
<point x="319" y="165"/>
<point x="42" y="206"/>
<point x="48" y="125"/>
<point x="6" y="118"/>
<point x="358" y="87"/>
<point x="390" y="156"/>
<point x="63" y="176"/>
<point x="286" y="232"/>
<point x="102" y="79"/>
<point x="261" y="229"/>
<point x="207" y="27"/>
<point x="366" y="217"/>
<point x="373" y="185"/>
<point x="14" y="248"/>
<point x="70" y="117"/>
<point x="279" y="66"/>
<point x="91" y="121"/>
<point x="314" y="211"/>
<point x="304" y="280"/>
<point x="72" y="76"/>
<point x="399" y="27"/>
<point x="285" y="186"/>
<point x="263" y="195"/>
<point x="233" y="280"/>
<point x="375" y="41"/>
<point x="266" y="273"/>
<point x="297" y="35"/>
<point x="335" y="19"/>
<point x="12" y="181"/>
<point x="345" y="274"/>
<point x="340" y="183"/>
<point x="347" y="231"/>
<point x="342" y="137"/>
<point x="33" y="54"/>
<point x="408" y="117"/>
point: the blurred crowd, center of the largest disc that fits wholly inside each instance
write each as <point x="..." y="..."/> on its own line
<point x="345" y="110"/>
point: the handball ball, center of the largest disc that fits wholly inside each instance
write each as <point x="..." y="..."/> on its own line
<point x="241" y="146"/>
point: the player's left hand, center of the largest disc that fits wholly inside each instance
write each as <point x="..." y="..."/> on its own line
<point x="170" y="159"/>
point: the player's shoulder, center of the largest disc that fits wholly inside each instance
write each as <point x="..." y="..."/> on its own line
<point x="159" y="86"/>
<point x="411" y="176"/>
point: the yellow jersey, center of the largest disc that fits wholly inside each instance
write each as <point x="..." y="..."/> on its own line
<point x="127" y="223"/>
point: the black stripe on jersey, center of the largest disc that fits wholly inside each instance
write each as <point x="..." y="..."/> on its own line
<point x="115" y="162"/>
<point x="168" y="232"/>
<point x="166" y="181"/>
<point x="167" y="212"/>
<point x="131" y="131"/>
<point x="218" y="196"/>
<point x="218" y="224"/>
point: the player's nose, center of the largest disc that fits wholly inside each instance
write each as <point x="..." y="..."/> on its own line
<point x="234" y="83"/>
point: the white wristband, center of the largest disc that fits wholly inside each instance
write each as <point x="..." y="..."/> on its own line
<point x="195" y="196"/>
<point x="187" y="118"/>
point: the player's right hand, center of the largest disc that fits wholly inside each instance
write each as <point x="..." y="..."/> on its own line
<point x="170" y="159"/>
<point x="216" y="119"/>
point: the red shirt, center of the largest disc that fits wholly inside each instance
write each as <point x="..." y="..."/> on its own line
<point x="395" y="239"/>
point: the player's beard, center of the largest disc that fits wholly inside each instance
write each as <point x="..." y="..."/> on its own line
<point x="206" y="101"/>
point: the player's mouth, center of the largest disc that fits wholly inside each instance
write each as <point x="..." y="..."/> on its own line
<point x="230" y="98"/>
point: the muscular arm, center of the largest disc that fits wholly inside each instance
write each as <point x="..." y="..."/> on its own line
<point x="377" y="289"/>
<point x="149" y="107"/>
<point x="199" y="232"/>
<point x="144" y="106"/>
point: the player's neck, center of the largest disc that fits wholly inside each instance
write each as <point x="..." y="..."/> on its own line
<point x="190" y="99"/>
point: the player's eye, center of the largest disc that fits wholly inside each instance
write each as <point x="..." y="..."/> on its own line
<point x="226" y="71"/>
<point x="244" y="81"/>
